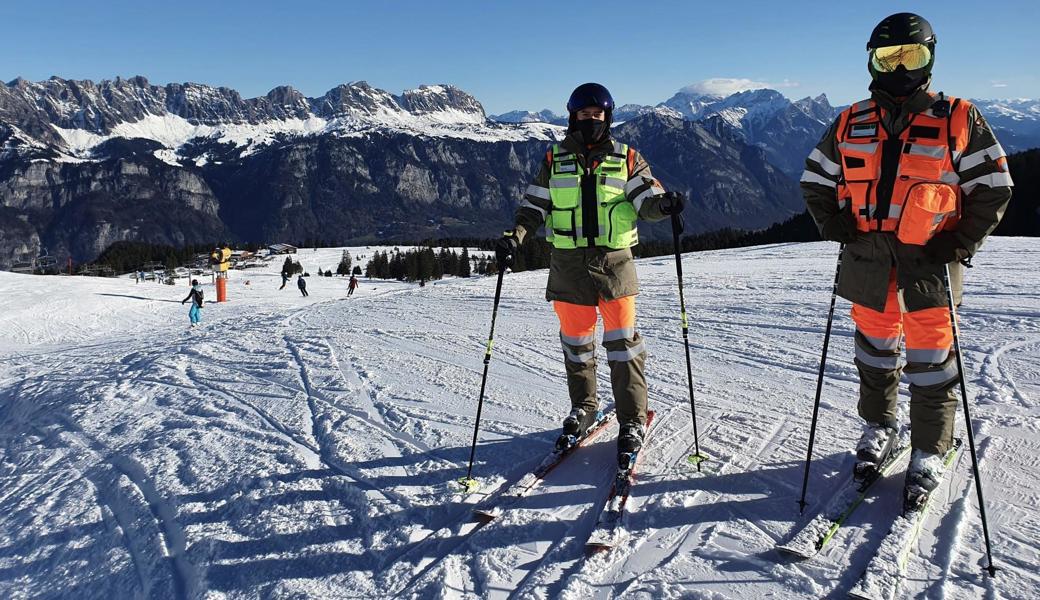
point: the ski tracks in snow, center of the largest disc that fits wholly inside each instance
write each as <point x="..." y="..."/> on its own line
<point x="310" y="453"/>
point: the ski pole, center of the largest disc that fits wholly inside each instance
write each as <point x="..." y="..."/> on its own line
<point x="468" y="482"/>
<point x="992" y="570"/>
<point x="819" y="380"/>
<point x="677" y="228"/>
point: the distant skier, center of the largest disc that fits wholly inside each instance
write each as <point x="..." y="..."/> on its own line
<point x="911" y="182"/>
<point x="590" y="192"/>
<point x="285" y="279"/>
<point x="195" y="295"/>
<point x="302" y="284"/>
<point x="352" y="285"/>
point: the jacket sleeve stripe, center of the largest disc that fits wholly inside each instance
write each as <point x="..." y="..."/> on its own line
<point x="829" y="166"/>
<point x="810" y="177"/>
<point x="653" y="190"/>
<point x="538" y="192"/>
<point x="992" y="180"/>
<point x="974" y="159"/>
<point x="634" y="184"/>
<point x="528" y="204"/>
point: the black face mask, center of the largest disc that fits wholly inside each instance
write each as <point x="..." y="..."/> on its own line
<point x="901" y="82"/>
<point x="591" y="130"/>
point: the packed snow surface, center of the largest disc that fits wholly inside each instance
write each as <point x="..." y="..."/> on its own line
<point x="306" y="447"/>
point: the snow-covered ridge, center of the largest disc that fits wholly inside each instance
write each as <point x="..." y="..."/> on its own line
<point x="75" y="117"/>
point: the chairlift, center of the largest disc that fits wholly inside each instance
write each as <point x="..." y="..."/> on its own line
<point x="45" y="260"/>
<point x="23" y="267"/>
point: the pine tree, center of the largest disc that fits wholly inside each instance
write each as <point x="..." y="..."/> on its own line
<point x="344" y="264"/>
<point x="463" y="268"/>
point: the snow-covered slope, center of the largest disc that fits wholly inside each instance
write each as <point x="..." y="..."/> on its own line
<point x="304" y="448"/>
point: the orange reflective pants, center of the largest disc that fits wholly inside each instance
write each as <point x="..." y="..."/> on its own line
<point x="931" y="368"/>
<point x="626" y="355"/>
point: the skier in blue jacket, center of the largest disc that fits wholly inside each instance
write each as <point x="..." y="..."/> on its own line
<point x="195" y="295"/>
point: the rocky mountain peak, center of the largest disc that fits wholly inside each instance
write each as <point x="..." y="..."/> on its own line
<point x="356" y="98"/>
<point x="429" y="99"/>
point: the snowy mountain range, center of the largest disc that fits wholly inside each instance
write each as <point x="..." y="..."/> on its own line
<point x="85" y="164"/>
<point x="69" y="120"/>
<point x="788" y="129"/>
<point x="785" y="130"/>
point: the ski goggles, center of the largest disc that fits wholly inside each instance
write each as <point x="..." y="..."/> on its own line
<point x="911" y="56"/>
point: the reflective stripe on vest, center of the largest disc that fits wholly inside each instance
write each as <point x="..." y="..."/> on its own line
<point x="615" y="214"/>
<point x="925" y="188"/>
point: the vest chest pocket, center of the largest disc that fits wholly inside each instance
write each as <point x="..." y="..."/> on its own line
<point x="565" y="167"/>
<point x="921" y="161"/>
<point x="622" y="218"/>
<point x="861" y="160"/>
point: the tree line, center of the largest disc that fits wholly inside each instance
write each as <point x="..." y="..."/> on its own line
<point x="1021" y="219"/>
<point x="419" y="264"/>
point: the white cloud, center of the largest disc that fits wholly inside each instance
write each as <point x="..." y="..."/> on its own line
<point x="998" y="84"/>
<point x="725" y="86"/>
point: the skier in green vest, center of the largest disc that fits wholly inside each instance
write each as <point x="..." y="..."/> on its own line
<point x="589" y="194"/>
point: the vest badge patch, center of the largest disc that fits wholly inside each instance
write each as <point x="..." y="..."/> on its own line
<point x="864" y="130"/>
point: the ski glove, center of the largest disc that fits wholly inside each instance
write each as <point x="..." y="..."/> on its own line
<point x="841" y="227"/>
<point x="671" y="203"/>
<point x="505" y="249"/>
<point x="945" y="248"/>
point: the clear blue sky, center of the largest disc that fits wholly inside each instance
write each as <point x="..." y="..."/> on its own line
<point x="513" y="54"/>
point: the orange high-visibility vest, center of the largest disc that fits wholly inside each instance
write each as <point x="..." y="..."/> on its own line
<point x="906" y="184"/>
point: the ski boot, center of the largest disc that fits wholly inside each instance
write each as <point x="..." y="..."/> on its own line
<point x="923" y="476"/>
<point x="873" y="448"/>
<point x="629" y="441"/>
<point x="575" y="426"/>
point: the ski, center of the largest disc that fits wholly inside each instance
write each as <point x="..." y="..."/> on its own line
<point x="495" y="506"/>
<point x="609" y="532"/>
<point x="815" y="534"/>
<point x="884" y="574"/>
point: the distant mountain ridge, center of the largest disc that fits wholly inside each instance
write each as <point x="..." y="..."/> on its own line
<point x="85" y="164"/>
<point x="788" y="129"/>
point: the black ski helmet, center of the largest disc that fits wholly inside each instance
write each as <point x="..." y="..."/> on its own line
<point x="902" y="28"/>
<point x="590" y="94"/>
<point x="898" y="30"/>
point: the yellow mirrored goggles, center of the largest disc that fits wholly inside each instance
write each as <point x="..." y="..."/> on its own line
<point x="911" y="56"/>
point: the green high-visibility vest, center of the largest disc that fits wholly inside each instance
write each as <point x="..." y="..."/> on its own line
<point x="616" y="215"/>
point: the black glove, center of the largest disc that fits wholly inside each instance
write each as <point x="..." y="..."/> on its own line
<point x="945" y="248"/>
<point x="505" y="249"/>
<point x="841" y="227"/>
<point x="671" y="203"/>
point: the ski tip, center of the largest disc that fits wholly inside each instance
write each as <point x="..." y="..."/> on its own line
<point x="794" y="551"/>
<point x="467" y="485"/>
<point x="485" y="516"/>
<point x="599" y="546"/>
<point x="697" y="459"/>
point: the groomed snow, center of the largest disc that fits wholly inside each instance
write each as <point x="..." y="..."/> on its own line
<point x="305" y="447"/>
